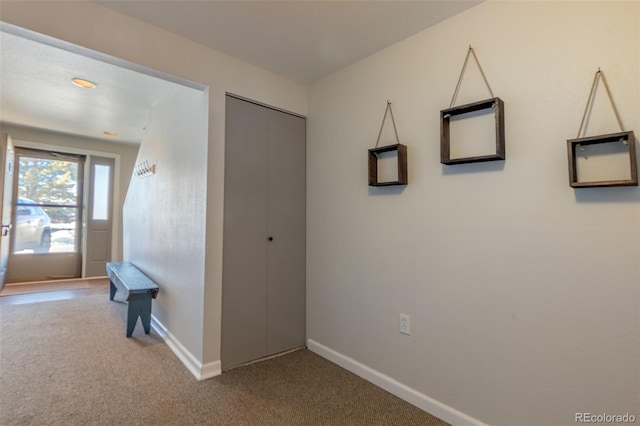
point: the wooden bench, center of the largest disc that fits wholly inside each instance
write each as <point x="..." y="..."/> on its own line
<point x="137" y="289"/>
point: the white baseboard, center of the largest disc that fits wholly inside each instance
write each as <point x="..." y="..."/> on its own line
<point x="199" y="370"/>
<point x="420" y="400"/>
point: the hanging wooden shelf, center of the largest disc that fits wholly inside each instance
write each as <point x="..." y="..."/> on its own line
<point x="402" y="165"/>
<point x="401" y="154"/>
<point x="575" y="145"/>
<point x="445" y="143"/>
<point x="494" y="103"/>
<point x="623" y="137"/>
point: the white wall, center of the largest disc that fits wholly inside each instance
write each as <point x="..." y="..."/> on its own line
<point x="92" y="26"/>
<point x="165" y="213"/>
<point x="126" y="152"/>
<point x="523" y="292"/>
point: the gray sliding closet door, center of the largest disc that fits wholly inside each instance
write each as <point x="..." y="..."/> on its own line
<point x="263" y="292"/>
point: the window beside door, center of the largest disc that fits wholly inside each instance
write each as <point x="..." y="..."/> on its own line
<point x="101" y="191"/>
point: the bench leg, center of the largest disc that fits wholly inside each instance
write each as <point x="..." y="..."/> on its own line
<point x="112" y="290"/>
<point x="139" y="306"/>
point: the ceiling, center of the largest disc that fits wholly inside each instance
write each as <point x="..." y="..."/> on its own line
<point x="36" y="91"/>
<point x="303" y="40"/>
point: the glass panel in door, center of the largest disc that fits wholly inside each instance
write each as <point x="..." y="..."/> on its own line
<point x="48" y="216"/>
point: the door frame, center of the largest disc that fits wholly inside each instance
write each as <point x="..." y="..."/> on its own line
<point x="6" y="193"/>
<point x="115" y="237"/>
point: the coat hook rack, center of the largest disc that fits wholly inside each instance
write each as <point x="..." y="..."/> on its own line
<point x="144" y="169"/>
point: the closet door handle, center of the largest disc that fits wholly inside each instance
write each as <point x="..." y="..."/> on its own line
<point x="270" y="238"/>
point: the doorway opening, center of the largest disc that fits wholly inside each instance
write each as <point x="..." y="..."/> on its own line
<point x="47" y="207"/>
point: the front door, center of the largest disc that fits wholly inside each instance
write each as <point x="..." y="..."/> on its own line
<point x="6" y="192"/>
<point x="47" y="216"/>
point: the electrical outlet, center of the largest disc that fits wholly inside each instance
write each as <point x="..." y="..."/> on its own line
<point x="405" y="324"/>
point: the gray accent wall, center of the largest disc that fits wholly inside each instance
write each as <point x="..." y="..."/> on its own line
<point x="523" y="293"/>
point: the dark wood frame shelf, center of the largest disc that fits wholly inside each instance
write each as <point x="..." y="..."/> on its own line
<point x="573" y="144"/>
<point x="445" y="118"/>
<point x="402" y="165"/>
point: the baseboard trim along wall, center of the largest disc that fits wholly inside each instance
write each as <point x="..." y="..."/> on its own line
<point x="422" y="401"/>
<point x="199" y="370"/>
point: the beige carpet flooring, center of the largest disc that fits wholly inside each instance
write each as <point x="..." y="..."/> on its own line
<point x="68" y="362"/>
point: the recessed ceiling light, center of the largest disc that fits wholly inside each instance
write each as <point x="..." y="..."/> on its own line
<point x="80" y="82"/>
<point x="110" y="133"/>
